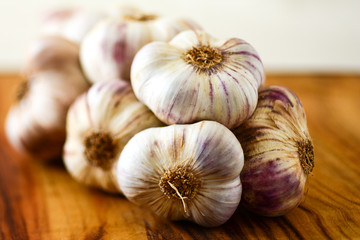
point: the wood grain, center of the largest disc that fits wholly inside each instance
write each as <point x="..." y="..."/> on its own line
<point x="41" y="201"/>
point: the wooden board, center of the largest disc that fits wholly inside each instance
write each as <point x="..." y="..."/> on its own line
<point x="41" y="201"/>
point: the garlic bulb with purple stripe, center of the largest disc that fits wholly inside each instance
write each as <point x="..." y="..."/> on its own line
<point x="278" y="152"/>
<point x="197" y="77"/>
<point x="35" y="124"/>
<point x="107" y="51"/>
<point x="99" y="124"/>
<point x="184" y="172"/>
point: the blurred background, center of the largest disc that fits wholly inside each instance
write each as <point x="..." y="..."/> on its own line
<point x="291" y="36"/>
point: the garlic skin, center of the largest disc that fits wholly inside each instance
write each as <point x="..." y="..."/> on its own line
<point x="188" y="172"/>
<point x="197" y="77"/>
<point x="107" y="51"/>
<point x="51" y="53"/>
<point x="99" y="124"/>
<point x="35" y="124"/>
<point x="71" y="24"/>
<point x="278" y="152"/>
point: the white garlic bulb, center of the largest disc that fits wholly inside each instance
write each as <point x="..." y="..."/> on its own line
<point x="108" y="49"/>
<point x="197" y="77"/>
<point x="187" y="172"/>
<point x="51" y="53"/>
<point x="72" y="24"/>
<point x="35" y="124"/>
<point x="99" y="124"/>
<point x="279" y="153"/>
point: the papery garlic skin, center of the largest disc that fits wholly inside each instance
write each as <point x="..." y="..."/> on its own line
<point x="109" y="108"/>
<point x="51" y="53"/>
<point x="107" y="51"/>
<point x="197" y="77"/>
<point x="35" y="124"/>
<point x="72" y="24"/>
<point x="278" y="153"/>
<point x="206" y="157"/>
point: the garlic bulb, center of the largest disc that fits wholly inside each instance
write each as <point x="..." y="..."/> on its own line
<point x="71" y="24"/>
<point x="35" y="124"/>
<point x="184" y="172"/>
<point x="99" y="124"/>
<point x="197" y="77"/>
<point x="107" y="51"/>
<point x="51" y="53"/>
<point x="278" y="153"/>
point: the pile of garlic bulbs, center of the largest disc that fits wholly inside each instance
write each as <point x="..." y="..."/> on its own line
<point x="175" y="120"/>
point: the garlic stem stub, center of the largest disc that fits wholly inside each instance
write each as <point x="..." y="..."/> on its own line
<point x="35" y="124"/>
<point x="107" y="51"/>
<point x="99" y="124"/>
<point x="197" y="77"/>
<point x="278" y="152"/>
<point x="184" y="172"/>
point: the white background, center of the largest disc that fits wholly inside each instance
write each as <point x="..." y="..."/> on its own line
<point x="290" y="35"/>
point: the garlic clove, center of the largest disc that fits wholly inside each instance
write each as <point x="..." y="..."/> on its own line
<point x="51" y="53"/>
<point x="35" y="124"/>
<point x="225" y="197"/>
<point x="197" y="77"/>
<point x="278" y="153"/>
<point x="99" y="124"/>
<point x="107" y="51"/>
<point x="184" y="172"/>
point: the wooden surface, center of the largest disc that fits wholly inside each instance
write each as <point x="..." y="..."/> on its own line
<point x="41" y="201"/>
